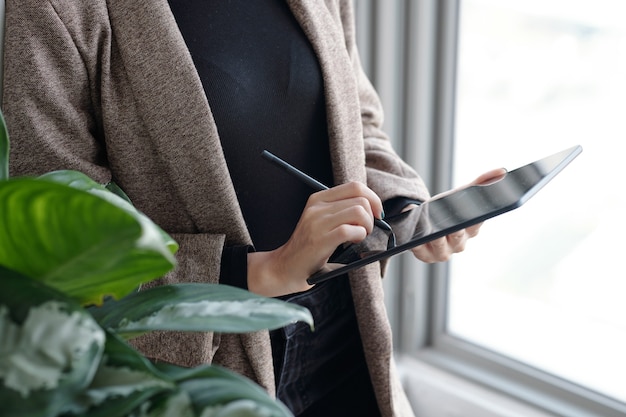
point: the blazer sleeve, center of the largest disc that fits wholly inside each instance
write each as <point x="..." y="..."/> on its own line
<point x="57" y="56"/>
<point x="53" y="108"/>
<point x="387" y="174"/>
<point x="50" y="102"/>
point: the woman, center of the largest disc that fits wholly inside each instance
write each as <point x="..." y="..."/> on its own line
<point x="174" y="102"/>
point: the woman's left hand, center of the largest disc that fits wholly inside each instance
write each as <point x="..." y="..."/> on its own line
<point x="440" y="250"/>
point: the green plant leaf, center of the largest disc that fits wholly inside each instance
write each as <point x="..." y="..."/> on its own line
<point x="77" y="242"/>
<point x="227" y="398"/>
<point x="50" y="347"/>
<point x="215" y="387"/>
<point x="124" y="381"/>
<point x="110" y="192"/>
<point x="197" y="307"/>
<point x="115" y="189"/>
<point x="127" y="383"/>
<point x="4" y="150"/>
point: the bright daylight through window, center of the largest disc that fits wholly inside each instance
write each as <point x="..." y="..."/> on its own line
<point x="545" y="284"/>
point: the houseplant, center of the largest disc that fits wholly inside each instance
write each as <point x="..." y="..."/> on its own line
<point x="72" y="255"/>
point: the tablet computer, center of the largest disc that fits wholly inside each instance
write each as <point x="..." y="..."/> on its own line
<point x="454" y="211"/>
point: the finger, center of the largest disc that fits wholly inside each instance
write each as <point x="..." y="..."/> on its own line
<point x="487" y="178"/>
<point x="408" y="207"/>
<point x="323" y="227"/>
<point x="357" y="211"/>
<point x="437" y="250"/>
<point x="351" y="190"/>
<point x="456" y="241"/>
<point x="356" y="214"/>
<point x="472" y="231"/>
<point x="440" y="249"/>
<point x="490" y="177"/>
<point x="347" y="233"/>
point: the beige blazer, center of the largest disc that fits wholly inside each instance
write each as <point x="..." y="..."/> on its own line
<point x="108" y="87"/>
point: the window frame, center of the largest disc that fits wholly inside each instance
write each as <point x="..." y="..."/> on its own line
<point x="431" y="30"/>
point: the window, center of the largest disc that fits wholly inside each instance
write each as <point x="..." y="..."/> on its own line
<point x="533" y="308"/>
<point x="544" y="285"/>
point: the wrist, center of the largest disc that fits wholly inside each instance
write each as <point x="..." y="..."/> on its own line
<point x="269" y="276"/>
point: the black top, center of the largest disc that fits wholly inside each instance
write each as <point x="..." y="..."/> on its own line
<point x="269" y="94"/>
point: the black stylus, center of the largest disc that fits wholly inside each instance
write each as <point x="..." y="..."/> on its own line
<point x="312" y="182"/>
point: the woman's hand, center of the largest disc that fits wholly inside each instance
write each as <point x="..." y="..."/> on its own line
<point x="440" y="250"/>
<point x="344" y="213"/>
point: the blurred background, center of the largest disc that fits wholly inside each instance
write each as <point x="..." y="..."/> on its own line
<point x="546" y="284"/>
<point x="531" y="318"/>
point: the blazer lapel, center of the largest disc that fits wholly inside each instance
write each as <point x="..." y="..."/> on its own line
<point x="323" y="29"/>
<point x="173" y="106"/>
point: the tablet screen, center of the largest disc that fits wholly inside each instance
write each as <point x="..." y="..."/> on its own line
<point x="444" y="215"/>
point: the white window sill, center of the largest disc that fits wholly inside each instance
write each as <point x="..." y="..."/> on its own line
<point x="434" y="392"/>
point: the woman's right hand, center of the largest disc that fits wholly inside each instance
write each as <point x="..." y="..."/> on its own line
<point x="344" y="213"/>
